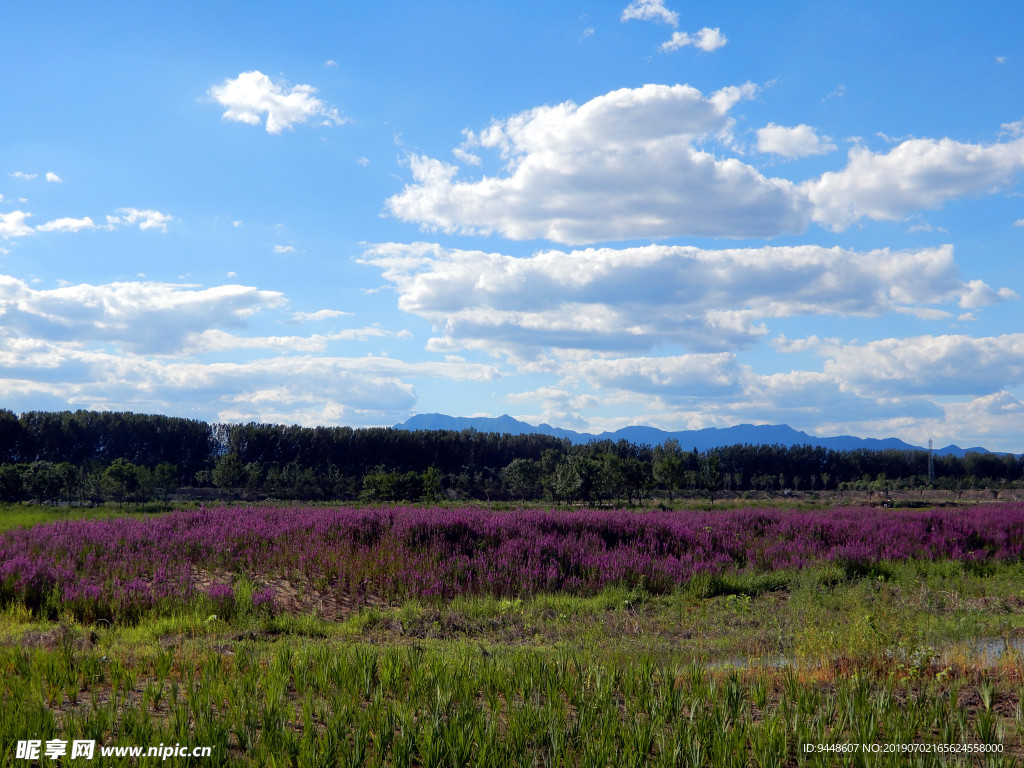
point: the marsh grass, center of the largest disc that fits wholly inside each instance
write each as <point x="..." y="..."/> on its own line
<point x="737" y="668"/>
<point x="619" y="678"/>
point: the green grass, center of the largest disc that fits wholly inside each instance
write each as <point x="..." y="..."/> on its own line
<point x="27" y="515"/>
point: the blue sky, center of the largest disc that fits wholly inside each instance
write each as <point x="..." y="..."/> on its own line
<point x="592" y="214"/>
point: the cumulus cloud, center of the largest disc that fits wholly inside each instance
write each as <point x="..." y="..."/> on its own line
<point x="916" y="174"/>
<point x="67" y="224"/>
<point x="53" y="178"/>
<point x="622" y="165"/>
<point x="799" y="141"/>
<point x="649" y="10"/>
<point x="638" y="298"/>
<point x="987" y="420"/>
<point x="13" y="224"/>
<point x="24" y="176"/>
<point x="253" y="96"/>
<point x="156" y="318"/>
<point x="935" y="365"/>
<point x="979" y="294"/>
<point x="653" y="162"/>
<point x="146" y="219"/>
<point x="184" y="349"/>
<point x="706" y="39"/>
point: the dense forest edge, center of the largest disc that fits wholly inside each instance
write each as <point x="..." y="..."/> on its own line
<point x="90" y="457"/>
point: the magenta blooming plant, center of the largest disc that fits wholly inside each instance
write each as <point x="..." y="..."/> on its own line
<point x="119" y="568"/>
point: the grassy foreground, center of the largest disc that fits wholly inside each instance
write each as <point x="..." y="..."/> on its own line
<point x="741" y="668"/>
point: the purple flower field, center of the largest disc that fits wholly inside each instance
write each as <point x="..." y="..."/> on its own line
<point x="119" y="568"/>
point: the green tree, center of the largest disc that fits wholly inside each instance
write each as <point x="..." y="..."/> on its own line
<point x="165" y="478"/>
<point x="610" y="482"/>
<point x="710" y="474"/>
<point x="254" y="476"/>
<point x="669" y="467"/>
<point x="228" y="472"/>
<point x="430" y="484"/>
<point x="522" y="478"/>
<point x="379" y="485"/>
<point x="11" y="485"/>
<point x="121" y="480"/>
<point x="636" y="479"/>
<point x="42" y="481"/>
<point x="69" y="478"/>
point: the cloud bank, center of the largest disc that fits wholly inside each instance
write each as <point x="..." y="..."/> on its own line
<point x="186" y="349"/>
<point x="605" y="299"/>
<point x="650" y="162"/>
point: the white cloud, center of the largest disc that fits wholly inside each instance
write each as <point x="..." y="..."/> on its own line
<point x="799" y="141"/>
<point x="13" y="224"/>
<point x="623" y="165"/>
<point x="837" y="93"/>
<point x="1019" y="223"/>
<point x="252" y="95"/>
<point x="924" y="226"/>
<point x="649" y="10"/>
<point x="178" y="348"/>
<point x="53" y="178"/>
<point x="916" y="174"/>
<point x="215" y="340"/>
<point x="24" y="176"/>
<point x="142" y="316"/>
<point x="706" y="39"/>
<point x="979" y="294"/>
<point x="987" y="421"/>
<point x="707" y="375"/>
<point x="330" y="63"/>
<point x="638" y="298"/>
<point x="67" y="225"/>
<point x="284" y="249"/>
<point x="1014" y="129"/>
<point x="934" y="365"/>
<point x="557" y="406"/>
<point x="862" y="390"/>
<point x="146" y="219"/>
<point x="320" y="314"/>
<point x="304" y="388"/>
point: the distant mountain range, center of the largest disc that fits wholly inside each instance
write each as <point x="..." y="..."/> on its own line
<point x="701" y="439"/>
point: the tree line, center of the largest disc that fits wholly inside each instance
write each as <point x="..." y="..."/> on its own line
<point x="91" y="457"/>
